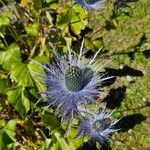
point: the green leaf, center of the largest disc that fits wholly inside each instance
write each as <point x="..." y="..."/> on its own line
<point x="7" y="134"/>
<point x="46" y="145"/>
<point x="32" y="29"/>
<point x="79" y="19"/>
<point x="75" y="17"/>
<point x="18" y="98"/>
<point x="37" y="71"/>
<point x="29" y="74"/>
<point x="21" y="74"/>
<point x="95" y="44"/>
<point x="50" y="120"/>
<point x="37" y="4"/>
<point x="62" y="143"/>
<point x="4" y="19"/>
<point x="3" y="85"/>
<point x="63" y="18"/>
<point x="10" y="56"/>
<point x="49" y="17"/>
<point x="48" y="1"/>
<point x="78" y="142"/>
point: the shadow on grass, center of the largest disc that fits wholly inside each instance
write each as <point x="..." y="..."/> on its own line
<point x="125" y="71"/>
<point x="129" y="122"/>
<point x="92" y="146"/>
<point x="123" y="3"/>
<point x="115" y="97"/>
<point x="146" y="53"/>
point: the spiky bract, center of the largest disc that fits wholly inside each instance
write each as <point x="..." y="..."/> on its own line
<point x="91" y="4"/>
<point x="71" y="83"/>
<point x="97" y="126"/>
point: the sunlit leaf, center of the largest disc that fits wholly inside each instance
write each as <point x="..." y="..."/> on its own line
<point x="18" y="98"/>
<point x="5" y="18"/>
<point x="48" y="1"/>
<point x="24" y="3"/>
<point x="7" y="134"/>
<point x="10" y="56"/>
<point x="32" y="29"/>
<point x="62" y="143"/>
<point x="75" y="17"/>
<point x="29" y="74"/>
<point x="63" y="19"/>
<point x="79" y="19"/>
<point x="46" y="145"/>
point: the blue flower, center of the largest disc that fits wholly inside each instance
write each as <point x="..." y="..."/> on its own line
<point x="72" y="83"/>
<point x="91" y="4"/>
<point x="97" y="126"/>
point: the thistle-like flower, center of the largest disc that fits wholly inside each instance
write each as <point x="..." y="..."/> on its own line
<point x="91" y="4"/>
<point x="72" y="83"/>
<point x="97" y="126"/>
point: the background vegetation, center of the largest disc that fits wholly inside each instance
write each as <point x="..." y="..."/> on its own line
<point x="29" y="29"/>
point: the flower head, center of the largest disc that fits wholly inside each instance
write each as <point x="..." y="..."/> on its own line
<point x="97" y="126"/>
<point x="71" y="83"/>
<point x="91" y="4"/>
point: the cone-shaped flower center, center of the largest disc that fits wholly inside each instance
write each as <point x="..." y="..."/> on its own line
<point x="100" y="125"/>
<point x="74" y="78"/>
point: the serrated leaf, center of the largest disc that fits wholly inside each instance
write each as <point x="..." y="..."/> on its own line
<point x="78" y="142"/>
<point x="32" y="29"/>
<point x="4" y="18"/>
<point x="29" y="74"/>
<point x="94" y="45"/>
<point x="18" y="98"/>
<point x="50" y="120"/>
<point x="63" y="18"/>
<point x="37" y="72"/>
<point x="10" y="128"/>
<point x="20" y="73"/>
<point x="62" y="143"/>
<point x="75" y="17"/>
<point x="46" y="145"/>
<point x="79" y="19"/>
<point x="7" y="134"/>
<point x="10" y="56"/>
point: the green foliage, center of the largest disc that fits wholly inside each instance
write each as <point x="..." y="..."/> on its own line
<point x="28" y="43"/>
<point x="7" y="134"/>
<point x="75" y="18"/>
<point x="4" y="21"/>
<point x="62" y="143"/>
<point x="59" y="144"/>
<point x="50" y="120"/>
<point x="32" y="29"/>
<point x="17" y="97"/>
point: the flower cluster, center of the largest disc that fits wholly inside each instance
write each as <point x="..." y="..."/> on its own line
<point x="73" y="84"/>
